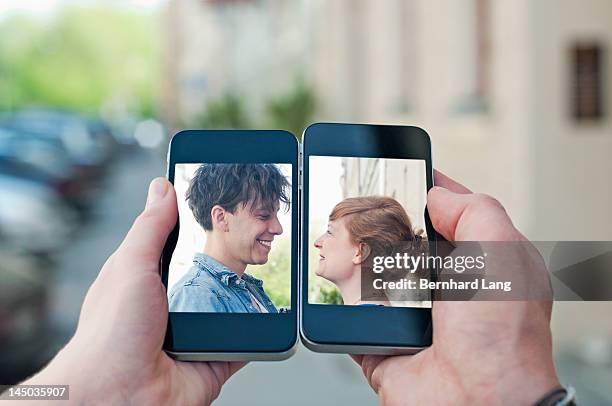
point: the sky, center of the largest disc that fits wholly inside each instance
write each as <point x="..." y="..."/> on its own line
<point x="46" y="8"/>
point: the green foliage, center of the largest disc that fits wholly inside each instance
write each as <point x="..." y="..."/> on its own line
<point x="294" y="110"/>
<point x="276" y="273"/>
<point x="330" y="295"/>
<point x="80" y="59"/>
<point x="226" y="112"/>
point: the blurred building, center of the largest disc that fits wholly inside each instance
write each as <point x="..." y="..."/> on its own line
<point x="400" y="179"/>
<point x="513" y="95"/>
<point x="519" y="88"/>
<point x="251" y="49"/>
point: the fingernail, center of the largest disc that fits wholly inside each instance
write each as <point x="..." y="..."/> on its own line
<point x="157" y="190"/>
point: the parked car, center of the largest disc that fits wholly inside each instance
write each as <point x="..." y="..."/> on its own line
<point x="45" y="160"/>
<point x="89" y="142"/>
<point x="123" y="131"/>
<point x="33" y="216"/>
<point x="25" y="333"/>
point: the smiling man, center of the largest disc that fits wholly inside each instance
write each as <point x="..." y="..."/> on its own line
<point x="237" y="206"/>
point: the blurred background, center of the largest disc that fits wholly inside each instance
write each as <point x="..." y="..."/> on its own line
<point x="515" y="95"/>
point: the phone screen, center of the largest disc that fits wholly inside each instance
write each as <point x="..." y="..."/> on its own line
<point x="360" y="210"/>
<point x="233" y="253"/>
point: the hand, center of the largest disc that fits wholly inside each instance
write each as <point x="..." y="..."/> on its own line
<point x="116" y="353"/>
<point x="482" y="352"/>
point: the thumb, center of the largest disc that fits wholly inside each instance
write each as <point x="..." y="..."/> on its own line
<point x="468" y="217"/>
<point x="145" y="241"/>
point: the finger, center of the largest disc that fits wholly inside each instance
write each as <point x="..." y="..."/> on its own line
<point x="468" y="217"/>
<point x="216" y="373"/>
<point x="441" y="179"/>
<point x="146" y="239"/>
<point x="235" y="367"/>
<point x="369" y="365"/>
<point x="445" y="209"/>
<point x="222" y="370"/>
<point x="357" y="358"/>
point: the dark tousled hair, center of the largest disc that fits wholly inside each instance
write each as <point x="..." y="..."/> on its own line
<point x="228" y="185"/>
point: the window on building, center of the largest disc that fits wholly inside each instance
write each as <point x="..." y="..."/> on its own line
<point x="587" y="82"/>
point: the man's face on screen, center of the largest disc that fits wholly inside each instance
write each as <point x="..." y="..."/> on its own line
<point x="251" y="232"/>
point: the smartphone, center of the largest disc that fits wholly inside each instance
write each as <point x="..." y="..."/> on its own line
<point x="230" y="266"/>
<point x="364" y="190"/>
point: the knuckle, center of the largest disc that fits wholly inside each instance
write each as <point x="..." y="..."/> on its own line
<point x="145" y="216"/>
<point x="487" y="201"/>
<point x="372" y="371"/>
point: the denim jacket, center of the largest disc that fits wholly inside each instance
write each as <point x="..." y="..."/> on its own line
<point x="210" y="286"/>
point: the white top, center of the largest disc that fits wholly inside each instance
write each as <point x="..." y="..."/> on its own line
<point x="258" y="305"/>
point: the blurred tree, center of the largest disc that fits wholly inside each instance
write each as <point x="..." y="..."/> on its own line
<point x="294" y="110"/>
<point x="81" y="59"/>
<point x="226" y="112"/>
<point x="330" y="296"/>
<point x="276" y="274"/>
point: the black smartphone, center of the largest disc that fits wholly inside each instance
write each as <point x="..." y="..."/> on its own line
<point x="364" y="195"/>
<point x="230" y="266"/>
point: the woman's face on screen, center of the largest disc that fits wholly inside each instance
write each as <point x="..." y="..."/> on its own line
<point x="336" y="252"/>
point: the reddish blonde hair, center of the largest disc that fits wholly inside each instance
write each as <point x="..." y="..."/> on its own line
<point x="377" y="221"/>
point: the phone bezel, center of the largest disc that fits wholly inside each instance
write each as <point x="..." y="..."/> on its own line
<point x="189" y="335"/>
<point x="354" y="328"/>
